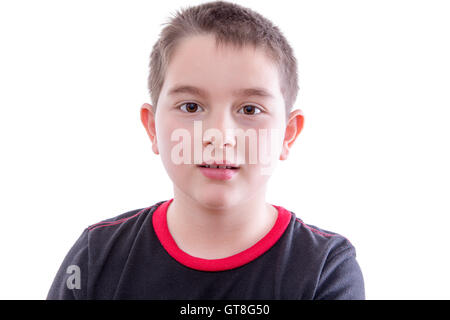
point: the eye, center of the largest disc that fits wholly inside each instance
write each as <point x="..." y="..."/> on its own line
<point x="190" y="107"/>
<point x="250" y="110"/>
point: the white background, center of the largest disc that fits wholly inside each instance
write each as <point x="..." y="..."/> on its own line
<point x="372" y="162"/>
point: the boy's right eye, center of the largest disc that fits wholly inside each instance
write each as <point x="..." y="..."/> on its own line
<point x="190" y="107"/>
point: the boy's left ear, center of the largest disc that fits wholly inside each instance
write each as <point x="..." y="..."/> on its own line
<point x="293" y="129"/>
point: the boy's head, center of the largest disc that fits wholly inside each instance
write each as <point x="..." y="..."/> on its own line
<point x="206" y="58"/>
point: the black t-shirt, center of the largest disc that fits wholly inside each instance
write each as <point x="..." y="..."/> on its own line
<point x="133" y="256"/>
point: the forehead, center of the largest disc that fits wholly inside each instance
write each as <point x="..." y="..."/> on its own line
<point x="198" y="66"/>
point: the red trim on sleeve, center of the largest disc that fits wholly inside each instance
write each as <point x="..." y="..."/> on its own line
<point x="162" y="231"/>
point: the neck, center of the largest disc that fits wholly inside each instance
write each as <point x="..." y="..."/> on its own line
<point x="218" y="232"/>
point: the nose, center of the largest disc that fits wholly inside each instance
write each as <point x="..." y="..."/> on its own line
<point x="219" y="130"/>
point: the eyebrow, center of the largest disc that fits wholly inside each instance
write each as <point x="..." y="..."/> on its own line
<point x="248" y="92"/>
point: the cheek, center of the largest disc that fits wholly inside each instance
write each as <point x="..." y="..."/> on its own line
<point x="170" y="139"/>
<point x="170" y="134"/>
<point x="268" y="152"/>
<point x="270" y="141"/>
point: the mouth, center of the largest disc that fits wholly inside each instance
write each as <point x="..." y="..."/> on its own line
<point x="218" y="172"/>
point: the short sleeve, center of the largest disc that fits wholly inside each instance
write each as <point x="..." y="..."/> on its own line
<point x="70" y="282"/>
<point x="341" y="277"/>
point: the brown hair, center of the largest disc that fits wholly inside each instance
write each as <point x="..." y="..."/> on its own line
<point x="233" y="25"/>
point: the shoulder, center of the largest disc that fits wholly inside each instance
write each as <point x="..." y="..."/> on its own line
<point x="122" y="221"/>
<point x="107" y="241"/>
<point x="318" y="238"/>
<point x="331" y="260"/>
<point x="122" y="229"/>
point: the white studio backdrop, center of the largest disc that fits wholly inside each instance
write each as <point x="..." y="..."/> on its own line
<point x="372" y="162"/>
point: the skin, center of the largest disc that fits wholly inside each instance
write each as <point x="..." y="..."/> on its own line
<point x="208" y="218"/>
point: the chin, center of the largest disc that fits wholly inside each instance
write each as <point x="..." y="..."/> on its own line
<point x="216" y="200"/>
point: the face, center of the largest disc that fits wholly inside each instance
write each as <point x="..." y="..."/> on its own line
<point x="204" y="115"/>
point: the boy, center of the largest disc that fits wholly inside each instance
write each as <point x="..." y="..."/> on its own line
<point x="219" y="73"/>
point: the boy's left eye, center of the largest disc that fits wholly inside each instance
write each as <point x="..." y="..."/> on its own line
<point x="250" y="109"/>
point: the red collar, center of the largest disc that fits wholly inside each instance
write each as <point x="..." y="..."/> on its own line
<point x="231" y="262"/>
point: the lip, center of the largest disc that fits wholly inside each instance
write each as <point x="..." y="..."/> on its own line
<point x="217" y="173"/>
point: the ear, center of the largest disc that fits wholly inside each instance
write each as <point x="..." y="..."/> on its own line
<point x="293" y="129"/>
<point x="148" y="120"/>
